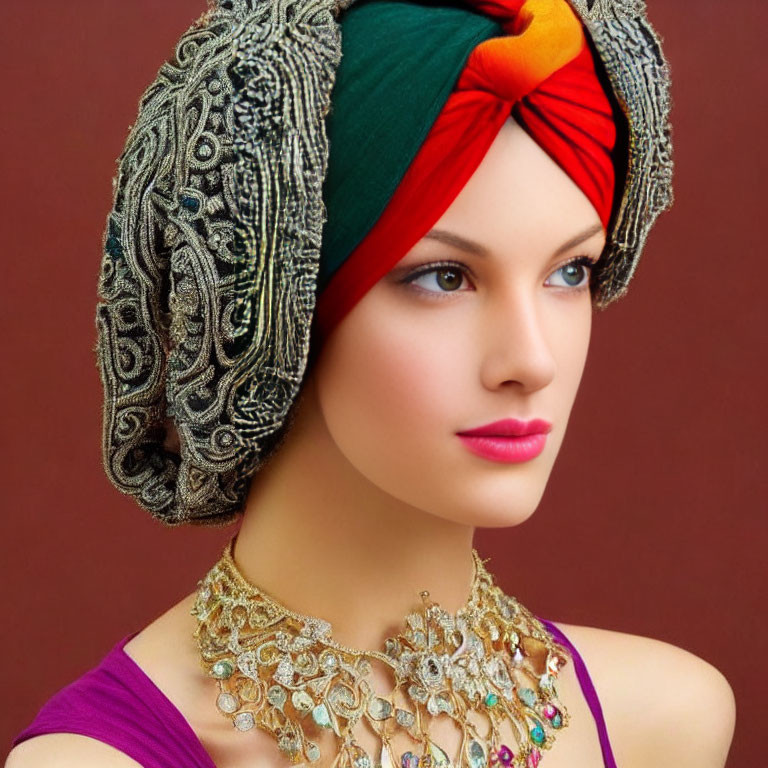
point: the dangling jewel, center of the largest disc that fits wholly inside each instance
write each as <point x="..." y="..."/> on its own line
<point x="404" y="718"/>
<point x="222" y="669"/>
<point x="533" y="758"/>
<point x="227" y="703"/>
<point x="527" y="696"/>
<point x="244" y="721"/>
<point x="476" y="754"/>
<point x="385" y="761"/>
<point x="439" y="758"/>
<point x="537" y="733"/>
<point x="321" y="717"/>
<point x="504" y="755"/>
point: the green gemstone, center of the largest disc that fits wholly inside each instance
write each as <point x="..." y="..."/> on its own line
<point x="491" y="699"/>
<point x="537" y="733"/>
<point x="221" y="670"/>
<point x="557" y="721"/>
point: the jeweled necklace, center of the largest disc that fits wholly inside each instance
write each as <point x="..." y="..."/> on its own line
<point x="492" y="663"/>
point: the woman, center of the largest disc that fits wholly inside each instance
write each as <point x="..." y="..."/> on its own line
<point x="448" y="342"/>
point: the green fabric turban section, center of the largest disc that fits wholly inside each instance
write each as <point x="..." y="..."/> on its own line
<point x="400" y="62"/>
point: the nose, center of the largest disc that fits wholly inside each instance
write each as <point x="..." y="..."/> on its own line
<point x="516" y="345"/>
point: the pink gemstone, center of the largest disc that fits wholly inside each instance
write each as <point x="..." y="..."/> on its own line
<point x="549" y="711"/>
<point x="505" y="754"/>
<point x="533" y="758"/>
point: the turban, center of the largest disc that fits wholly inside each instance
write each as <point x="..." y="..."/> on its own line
<point x="264" y="172"/>
<point x="454" y="73"/>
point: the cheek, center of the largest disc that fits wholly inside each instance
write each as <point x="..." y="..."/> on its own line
<point x="570" y="349"/>
<point x="384" y="392"/>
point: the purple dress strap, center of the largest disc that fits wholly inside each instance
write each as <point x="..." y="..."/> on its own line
<point x="117" y="703"/>
<point x="589" y="692"/>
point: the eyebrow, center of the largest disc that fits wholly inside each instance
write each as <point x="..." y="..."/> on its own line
<point x="450" y="238"/>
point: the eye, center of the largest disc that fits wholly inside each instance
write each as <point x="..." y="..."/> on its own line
<point x="575" y="273"/>
<point x="442" y="278"/>
<point x="439" y="278"/>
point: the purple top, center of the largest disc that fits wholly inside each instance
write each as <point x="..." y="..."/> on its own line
<point x="118" y="703"/>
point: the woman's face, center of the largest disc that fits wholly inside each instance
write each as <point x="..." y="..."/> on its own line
<point x="431" y="351"/>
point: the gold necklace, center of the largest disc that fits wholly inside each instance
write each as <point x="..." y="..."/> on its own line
<point x="491" y="668"/>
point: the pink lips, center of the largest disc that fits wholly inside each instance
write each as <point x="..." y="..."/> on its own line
<point x="508" y="440"/>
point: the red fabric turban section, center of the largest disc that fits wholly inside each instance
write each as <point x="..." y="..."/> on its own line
<point x="543" y="72"/>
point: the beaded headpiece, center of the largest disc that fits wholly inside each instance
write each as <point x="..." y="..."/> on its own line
<point x="209" y="274"/>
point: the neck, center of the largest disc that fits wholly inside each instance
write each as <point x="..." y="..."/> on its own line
<point x="324" y="541"/>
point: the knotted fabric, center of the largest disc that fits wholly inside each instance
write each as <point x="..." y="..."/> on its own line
<point x="422" y="91"/>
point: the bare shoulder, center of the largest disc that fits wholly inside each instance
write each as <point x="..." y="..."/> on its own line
<point x="663" y="705"/>
<point x="67" y="750"/>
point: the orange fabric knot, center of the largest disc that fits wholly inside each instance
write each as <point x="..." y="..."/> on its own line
<point x="544" y="35"/>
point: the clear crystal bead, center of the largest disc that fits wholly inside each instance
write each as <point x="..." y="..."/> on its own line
<point x="417" y="693"/>
<point x="546" y="683"/>
<point x="276" y="696"/>
<point x="302" y="701"/>
<point x="328" y="661"/>
<point x="379" y="708"/>
<point x="284" y="672"/>
<point x="244" y="721"/>
<point x="404" y="718"/>
<point x="227" y="703"/>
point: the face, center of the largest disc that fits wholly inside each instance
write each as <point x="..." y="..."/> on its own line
<point x="455" y="337"/>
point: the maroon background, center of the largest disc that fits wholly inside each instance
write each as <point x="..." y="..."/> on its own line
<point x="654" y="520"/>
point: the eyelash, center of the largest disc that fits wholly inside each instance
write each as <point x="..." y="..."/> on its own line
<point x="585" y="261"/>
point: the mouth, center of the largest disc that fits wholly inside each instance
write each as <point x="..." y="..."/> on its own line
<point x="508" y="440"/>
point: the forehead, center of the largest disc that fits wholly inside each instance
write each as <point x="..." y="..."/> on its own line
<point x="519" y="196"/>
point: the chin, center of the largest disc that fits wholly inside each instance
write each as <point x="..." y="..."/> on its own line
<point x="497" y="505"/>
